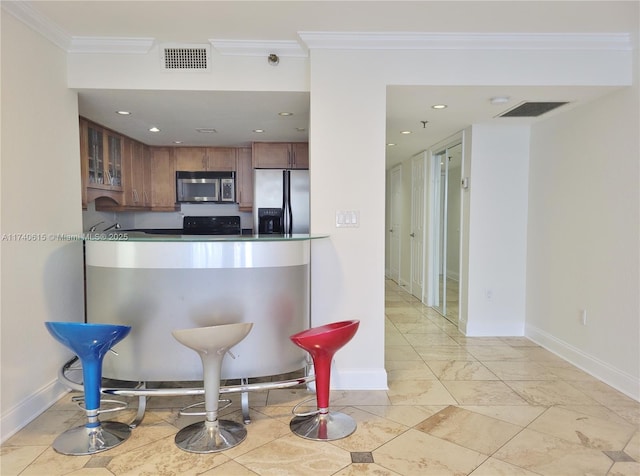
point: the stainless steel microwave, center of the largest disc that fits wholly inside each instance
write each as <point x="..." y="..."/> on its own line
<point x="210" y="187"/>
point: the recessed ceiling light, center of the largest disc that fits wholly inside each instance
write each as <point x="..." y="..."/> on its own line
<point x="205" y="130"/>
<point x="285" y="114"/>
<point x="123" y="113"/>
<point x="405" y="132"/>
<point x="439" y="106"/>
<point x="177" y="142"/>
<point x="499" y="100"/>
<point x="258" y="131"/>
<point x="390" y="144"/>
<point x="154" y="129"/>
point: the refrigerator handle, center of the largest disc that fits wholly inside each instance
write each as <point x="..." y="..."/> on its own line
<point x="289" y="211"/>
<point x="283" y="216"/>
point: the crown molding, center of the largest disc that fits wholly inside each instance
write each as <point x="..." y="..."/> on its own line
<point x="96" y="44"/>
<point x="30" y="16"/>
<point x="466" y="41"/>
<point x="259" y="48"/>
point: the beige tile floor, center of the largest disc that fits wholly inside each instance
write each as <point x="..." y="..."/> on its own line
<point x="455" y="406"/>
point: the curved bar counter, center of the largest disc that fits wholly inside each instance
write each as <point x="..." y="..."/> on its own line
<point x="159" y="283"/>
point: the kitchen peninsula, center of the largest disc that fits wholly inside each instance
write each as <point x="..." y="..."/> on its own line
<point x="158" y="283"/>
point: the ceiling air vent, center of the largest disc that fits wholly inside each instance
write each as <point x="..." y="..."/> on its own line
<point x="185" y="58"/>
<point x="532" y="109"/>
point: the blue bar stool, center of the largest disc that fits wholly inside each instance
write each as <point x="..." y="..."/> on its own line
<point x="211" y="343"/>
<point x="90" y="342"/>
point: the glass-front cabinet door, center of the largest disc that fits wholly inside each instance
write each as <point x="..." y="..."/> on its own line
<point x="101" y="163"/>
<point x="103" y="158"/>
<point x="95" y="155"/>
<point x="114" y="166"/>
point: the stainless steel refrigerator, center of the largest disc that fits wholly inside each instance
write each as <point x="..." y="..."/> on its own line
<point x="280" y="201"/>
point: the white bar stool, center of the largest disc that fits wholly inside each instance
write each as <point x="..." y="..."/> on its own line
<point x="211" y="343"/>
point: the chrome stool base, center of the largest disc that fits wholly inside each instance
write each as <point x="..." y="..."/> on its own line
<point x="87" y="441"/>
<point x="323" y="427"/>
<point x="200" y="438"/>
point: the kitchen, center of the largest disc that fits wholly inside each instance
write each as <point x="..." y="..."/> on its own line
<point x="245" y="131"/>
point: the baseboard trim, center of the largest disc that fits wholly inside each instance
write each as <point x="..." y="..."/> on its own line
<point x="20" y="415"/>
<point x="625" y="383"/>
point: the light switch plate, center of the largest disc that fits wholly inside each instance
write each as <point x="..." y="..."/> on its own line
<point x="347" y="219"/>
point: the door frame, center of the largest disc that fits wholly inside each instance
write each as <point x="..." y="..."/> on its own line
<point x="419" y="261"/>
<point x="431" y="282"/>
<point x="395" y="180"/>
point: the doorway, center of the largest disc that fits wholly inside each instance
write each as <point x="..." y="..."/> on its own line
<point x="445" y="230"/>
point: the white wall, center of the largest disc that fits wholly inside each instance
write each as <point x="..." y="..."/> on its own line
<point x="347" y="271"/>
<point x="583" y="239"/>
<point x="42" y="278"/>
<point x="497" y="230"/>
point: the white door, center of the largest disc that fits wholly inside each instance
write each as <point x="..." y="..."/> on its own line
<point x="417" y="225"/>
<point x="396" y="224"/>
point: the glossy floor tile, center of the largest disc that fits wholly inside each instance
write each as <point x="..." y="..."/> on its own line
<point x="456" y="405"/>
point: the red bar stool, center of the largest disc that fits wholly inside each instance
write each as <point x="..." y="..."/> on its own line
<point x="322" y="343"/>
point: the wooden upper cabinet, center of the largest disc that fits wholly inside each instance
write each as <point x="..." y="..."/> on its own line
<point x="221" y="159"/>
<point x="244" y="179"/>
<point x="191" y="159"/>
<point x="300" y="154"/>
<point x="163" y="178"/>
<point x="147" y="180"/>
<point x="198" y="159"/>
<point x="280" y="155"/>
<point x="135" y="190"/>
<point x="101" y="163"/>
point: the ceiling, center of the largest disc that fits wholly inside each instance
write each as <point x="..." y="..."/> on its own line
<point x="235" y="115"/>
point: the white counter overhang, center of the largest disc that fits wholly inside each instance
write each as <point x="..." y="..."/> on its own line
<point x="207" y="254"/>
